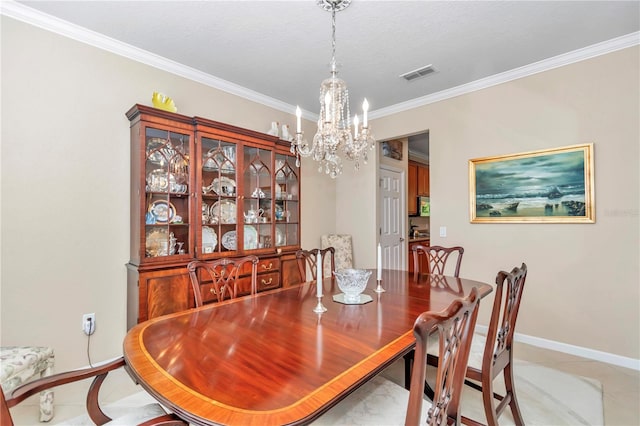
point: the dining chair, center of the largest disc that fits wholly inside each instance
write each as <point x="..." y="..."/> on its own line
<point x="492" y="354"/>
<point x="438" y="258"/>
<point x="308" y="262"/>
<point x="220" y="279"/>
<point x="343" y="245"/>
<point x="150" y="414"/>
<point x="381" y="401"/>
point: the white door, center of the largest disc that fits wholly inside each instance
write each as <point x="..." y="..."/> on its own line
<point x="393" y="218"/>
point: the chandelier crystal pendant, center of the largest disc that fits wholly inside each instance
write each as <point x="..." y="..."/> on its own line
<point x="334" y="123"/>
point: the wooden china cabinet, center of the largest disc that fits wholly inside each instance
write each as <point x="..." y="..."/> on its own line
<point x="201" y="189"/>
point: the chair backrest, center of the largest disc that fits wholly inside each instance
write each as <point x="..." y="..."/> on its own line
<point x="343" y="249"/>
<point x="454" y="327"/>
<point x="217" y="280"/>
<point x="438" y="257"/>
<point x="308" y="262"/>
<point x="502" y="325"/>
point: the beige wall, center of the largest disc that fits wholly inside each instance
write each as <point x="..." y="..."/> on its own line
<point x="65" y="190"/>
<point x="583" y="283"/>
<point x="65" y="184"/>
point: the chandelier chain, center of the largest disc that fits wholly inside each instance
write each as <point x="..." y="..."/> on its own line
<point x="333" y="40"/>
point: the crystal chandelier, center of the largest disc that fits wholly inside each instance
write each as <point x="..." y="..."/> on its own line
<point x="334" y="122"/>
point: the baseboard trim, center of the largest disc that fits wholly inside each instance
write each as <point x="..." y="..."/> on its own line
<point x="580" y="351"/>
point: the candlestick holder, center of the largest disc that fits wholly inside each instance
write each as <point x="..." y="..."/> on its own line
<point x="379" y="288"/>
<point x="320" y="308"/>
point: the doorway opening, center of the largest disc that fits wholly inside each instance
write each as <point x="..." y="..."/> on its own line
<point x="419" y="215"/>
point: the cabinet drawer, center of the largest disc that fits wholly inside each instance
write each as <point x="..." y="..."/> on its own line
<point x="268" y="281"/>
<point x="265" y="265"/>
<point x="268" y="265"/>
<point x="209" y="293"/>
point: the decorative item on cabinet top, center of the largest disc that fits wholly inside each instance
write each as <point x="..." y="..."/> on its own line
<point x="162" y="101"/>
<point x="274" y="130"/>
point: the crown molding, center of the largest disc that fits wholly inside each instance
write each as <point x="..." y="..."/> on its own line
<point x="31" y="16"/>
<point x="588" y="52"/>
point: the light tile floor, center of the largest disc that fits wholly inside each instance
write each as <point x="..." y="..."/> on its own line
<point x="621" y="388"/>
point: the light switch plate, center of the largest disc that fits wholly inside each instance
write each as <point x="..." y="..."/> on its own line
<point x="443" y="231"/>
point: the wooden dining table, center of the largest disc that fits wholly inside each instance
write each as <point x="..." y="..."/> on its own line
<point x="269" y="359"/>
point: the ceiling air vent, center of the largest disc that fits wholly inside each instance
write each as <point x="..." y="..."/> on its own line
<point x="420" y="72"/>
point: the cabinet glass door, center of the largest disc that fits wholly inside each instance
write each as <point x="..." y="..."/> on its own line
<point x="287" y="201"/>
<point x="167" y="201"/>
<point x="218" y="196"/>
<point x="257" y="209"/>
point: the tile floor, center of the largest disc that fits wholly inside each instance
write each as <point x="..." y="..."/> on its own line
<point x="621" y="388"/>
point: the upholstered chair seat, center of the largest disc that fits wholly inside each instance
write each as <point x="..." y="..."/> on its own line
<point x="21" y="364"/>
<point x="379" y="399"/>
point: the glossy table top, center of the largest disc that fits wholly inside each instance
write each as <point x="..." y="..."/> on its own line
<point x="269" y="359"/>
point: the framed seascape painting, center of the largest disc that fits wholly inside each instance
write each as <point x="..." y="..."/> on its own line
<point x="548" y="186"/>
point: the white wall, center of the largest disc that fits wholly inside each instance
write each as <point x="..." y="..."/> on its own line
<point x="583" y="281"/>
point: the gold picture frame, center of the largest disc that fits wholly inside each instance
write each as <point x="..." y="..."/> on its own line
<point x="547" y="186"/>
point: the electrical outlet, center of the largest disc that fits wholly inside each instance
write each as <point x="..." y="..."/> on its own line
<point x="89" y="323"/>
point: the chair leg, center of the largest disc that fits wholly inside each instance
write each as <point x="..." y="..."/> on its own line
<point x="46" y="405"/>
<point x="489" y="401"/>
<point x="511" y="391"/>
<point x="408" y="365"/>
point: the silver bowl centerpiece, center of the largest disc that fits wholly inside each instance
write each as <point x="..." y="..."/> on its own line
<point x="352" y="283"/>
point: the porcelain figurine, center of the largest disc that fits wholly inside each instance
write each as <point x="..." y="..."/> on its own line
<point x="285" y="133"/>
<point x="274" y="129"/>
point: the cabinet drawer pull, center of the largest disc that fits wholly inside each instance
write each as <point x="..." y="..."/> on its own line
<point x="264" y="282"/>
<point x="268" y="268"/>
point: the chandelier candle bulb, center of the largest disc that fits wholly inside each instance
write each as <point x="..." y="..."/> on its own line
<point x="298" y="115"/>
<point x="355" y="125"/>
<point x="365" y="108"/>
<point x="319" y="275"/>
